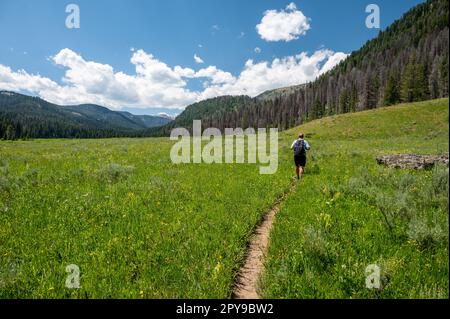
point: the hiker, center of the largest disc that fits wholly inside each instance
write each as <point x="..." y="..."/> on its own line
<point x="300" y="146"/>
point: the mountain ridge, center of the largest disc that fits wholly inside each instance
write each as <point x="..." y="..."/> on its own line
<point x="35" y="117"/>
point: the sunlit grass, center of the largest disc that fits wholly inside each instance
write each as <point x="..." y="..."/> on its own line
<point x="139" y="226"/>
<point x="348" y="212"/>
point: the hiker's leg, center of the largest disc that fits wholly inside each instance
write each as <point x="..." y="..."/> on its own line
<point x="301" y="169"/>
<point x="297" y="171"/>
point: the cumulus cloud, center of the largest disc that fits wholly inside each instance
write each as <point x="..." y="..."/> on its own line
<point x="198" y="59"/>
<point x="333" y="60"/>
<point x="216" y="75"/>
<point x="284" y="25"/>
<point x="155" y="84"/>
<point x="292" y="70"/>
<point x="10" y="80"/>
<point x="257" y="50"/>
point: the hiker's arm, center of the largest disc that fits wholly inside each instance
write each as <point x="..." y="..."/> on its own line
<point x="292" y="146"/>
<point x="307" y="145"/>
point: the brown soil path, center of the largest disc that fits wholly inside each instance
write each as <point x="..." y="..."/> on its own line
<point x="247" y="283"/>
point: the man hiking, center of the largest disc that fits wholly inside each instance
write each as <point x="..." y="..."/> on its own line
<point x="300" y="146"/>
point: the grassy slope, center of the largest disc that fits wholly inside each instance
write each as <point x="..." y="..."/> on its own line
<point x="332" y="227"/>
<point x="158" y="230"/>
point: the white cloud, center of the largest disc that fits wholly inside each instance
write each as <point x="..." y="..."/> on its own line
<point x="198" y="59"/>
<point x="257" y="50"/>
<point x="155" y="84"/>
<point x="10" y="80"/>
<point x="241" y="35"/>
<point x="284" y="25"/>
<point x="333" y="60"/>
<point x="215" y="75"/>
<point x="292" y="70"/>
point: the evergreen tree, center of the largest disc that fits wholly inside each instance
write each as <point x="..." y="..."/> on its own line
<point x="392" y="91"/>
<point x="371" y="91"/>
<point x="10" y="133"/>
<point x="415" y="81"/>
<point x="408" y="81"/>
<point x="443" y="76"/>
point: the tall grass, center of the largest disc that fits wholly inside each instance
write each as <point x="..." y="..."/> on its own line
<point x="354" y="213"/>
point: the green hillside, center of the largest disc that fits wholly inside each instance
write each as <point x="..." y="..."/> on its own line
<point x="208" y="111"/>
<point x="349" y="212"/>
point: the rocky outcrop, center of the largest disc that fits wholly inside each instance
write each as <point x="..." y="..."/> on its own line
<point x="412" y="161"/>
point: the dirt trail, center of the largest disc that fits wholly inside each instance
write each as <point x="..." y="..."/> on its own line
<point x="247" y="283"/>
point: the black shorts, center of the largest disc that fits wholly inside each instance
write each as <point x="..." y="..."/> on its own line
<point x="300" y="160"/>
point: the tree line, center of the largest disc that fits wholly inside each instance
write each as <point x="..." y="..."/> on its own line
<point x="407" y="62"/>
<point x="17" y="127"/>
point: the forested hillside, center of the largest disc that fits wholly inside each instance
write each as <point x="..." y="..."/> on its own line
<point x="407" y="62"/>
<point x="24" y="116"/>
<point x="218" y="107"/>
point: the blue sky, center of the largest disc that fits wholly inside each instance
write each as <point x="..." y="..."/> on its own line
<point x="161" y="35"/>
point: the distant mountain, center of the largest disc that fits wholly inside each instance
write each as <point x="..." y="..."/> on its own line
<point x="28" y="116"/>
<point x="147" y="121"/>
<point x="406" y="62"/>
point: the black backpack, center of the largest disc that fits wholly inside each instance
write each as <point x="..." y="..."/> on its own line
<point x="299" y="147"/>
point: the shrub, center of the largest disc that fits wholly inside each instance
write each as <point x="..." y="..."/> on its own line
<point x="406" y="182"/>
<point x="440" y="180"/>
<point x="7" y="182"/>
<point x="4" y="184"/>
<point x="402" y="205"/>
<point x="9" y="273"/>
<point x="30" y="176"/>
<point x="383" y="202"/>
<point x="354" y="186"/>
<point x="315" y="243"/>
<point x="114" y="172"/>
<point x="395" y="208"/>
<point x="424" y="235"/>
<point x="434" y="194"/>
<point x="330" y="190"/>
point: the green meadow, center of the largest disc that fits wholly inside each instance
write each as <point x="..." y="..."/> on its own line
<point x="139" y="226"/>
<point x="349" y="213"/>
